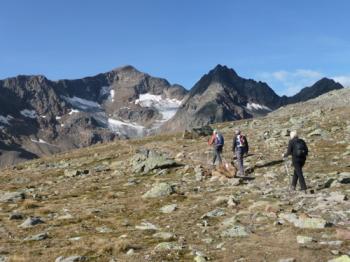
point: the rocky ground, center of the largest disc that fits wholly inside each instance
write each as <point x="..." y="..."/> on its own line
<point x="155" y="199"/>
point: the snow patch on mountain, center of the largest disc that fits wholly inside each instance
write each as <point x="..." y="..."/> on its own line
<point x="125" y="128"/>
<point x="166" y="106"/>
<point x="5" y="119"/>
<point x="73" y="111"/>
<point x="112" y="94"/>
<point x="82" y="104"/>
<point x="107" y="90"/>
<point x="39" y="141"/>
<point x="254" y="106"/>
<point x="28" y="113"/>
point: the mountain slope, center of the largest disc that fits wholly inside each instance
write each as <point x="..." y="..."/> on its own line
<point x="99" y="203"/>
<point x="42" y="117"/>
<point x="322" y="86"/>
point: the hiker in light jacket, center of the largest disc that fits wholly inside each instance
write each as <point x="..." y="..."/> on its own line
<point x="240" y="147"/>
<point x="217" y="141"/>
<point x="298" y="149"/>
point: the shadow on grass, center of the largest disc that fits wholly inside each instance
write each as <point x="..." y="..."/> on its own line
<point x="268" y="164"/>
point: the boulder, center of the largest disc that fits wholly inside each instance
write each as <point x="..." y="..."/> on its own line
<point x="290" y="259"/>
<point x="146" y="226"/>
<point x="318" y="133"/>
<point x="167" y="246"/>
<point x="214" y="213"/>
<point x="75" y="173"/>
<point x="344" y="178"/>
<point x="159" y="190"/>
<point x="31" y="222"/>
<point x="71" y="259"/>
<point x="11" y="196"/>
<point x="305" y="222"/>
<point x="146" y="161"/>
<point x="235" y="231"/>
<point x="166" y="236"/>
<point x="343" y="258"/>
<point x="303" y="240"/>
<point x="37" y="237"/>
<point x="199" y="259"/>
<point x="311" y="223"/>
<point x="168" y="208"/>
<point x="16" y="216"/>
<point x="197" y="132"/>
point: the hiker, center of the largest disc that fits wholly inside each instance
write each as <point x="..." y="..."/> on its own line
<point x="297" y="148"/>
<point x="240" y="148"/>
<point x="217" y="141"/>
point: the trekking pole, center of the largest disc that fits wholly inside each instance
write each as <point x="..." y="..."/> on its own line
<point x="286" y="166"/>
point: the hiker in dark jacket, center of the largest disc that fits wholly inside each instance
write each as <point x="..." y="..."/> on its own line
<point x="217" y="141"/>
<point x="240" y="147"/>
<point x="297" y="148"/>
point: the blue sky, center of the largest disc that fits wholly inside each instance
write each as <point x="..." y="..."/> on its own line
<point x="288" y="44"/>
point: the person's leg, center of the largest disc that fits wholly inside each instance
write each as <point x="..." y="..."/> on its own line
<point x="215" y="156"/>
<point x="294" y="180"/>
<point x="240" y="162"/>
<point x="299" y="171"/>
<point x="219" y="152"/>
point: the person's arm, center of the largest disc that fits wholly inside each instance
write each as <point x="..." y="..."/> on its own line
<point x="289" y="150"/>
<point x="307" y="149"/>
<point x="234" y="144"/>
<point x="247" y="146"/>
<point x="211" y="140"/>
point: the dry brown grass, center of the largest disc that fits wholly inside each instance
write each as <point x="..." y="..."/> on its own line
<point x="29" y="204"/>
<point x="18" y="258"/>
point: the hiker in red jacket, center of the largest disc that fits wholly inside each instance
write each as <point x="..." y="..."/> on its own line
<point x="217" y="141"/>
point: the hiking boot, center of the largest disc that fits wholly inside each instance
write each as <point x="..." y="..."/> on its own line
<point x="291" y="189"/>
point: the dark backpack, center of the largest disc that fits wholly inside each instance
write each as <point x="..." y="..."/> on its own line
<point x="219" y="140"/>
<point x="300" y="149"/>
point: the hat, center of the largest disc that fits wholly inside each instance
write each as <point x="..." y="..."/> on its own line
<point x="293" y="134"/>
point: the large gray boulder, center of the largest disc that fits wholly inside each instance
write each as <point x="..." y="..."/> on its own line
<point x="31" y="222"/>
<point x="235" y="231"/>
<point x="159" y="190"/>
<point x="146" y="161"/>
<point x="11" y="196"/>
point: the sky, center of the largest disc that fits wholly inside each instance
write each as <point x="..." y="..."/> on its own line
<point x="287" y="44"/>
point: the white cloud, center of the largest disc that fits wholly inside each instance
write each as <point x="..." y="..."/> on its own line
<point x="280" y="75"/>
<point x="308" y="73"/>
<point x="344" y="80"/>
<point x="291" y="82"/>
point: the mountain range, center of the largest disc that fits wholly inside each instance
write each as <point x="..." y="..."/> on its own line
<point x="40" y="117"/>
<point x="222" y="95"/>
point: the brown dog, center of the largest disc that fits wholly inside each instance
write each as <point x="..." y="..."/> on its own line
<point x="225" y="170"/>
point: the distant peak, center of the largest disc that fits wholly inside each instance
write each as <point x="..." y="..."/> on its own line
<point x="222" y="70"/>
<point x="126" y="68"/>
<point x="325" y="79"/>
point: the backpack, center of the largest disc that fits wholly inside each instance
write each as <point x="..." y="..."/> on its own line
<point x="300" y="149"/>
<point x="240" y="140"/>
<point x="219" y="140"/>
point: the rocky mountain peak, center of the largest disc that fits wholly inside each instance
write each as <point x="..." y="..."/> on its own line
<point x="322" y="86"/>
<point x="222" y="70"/>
